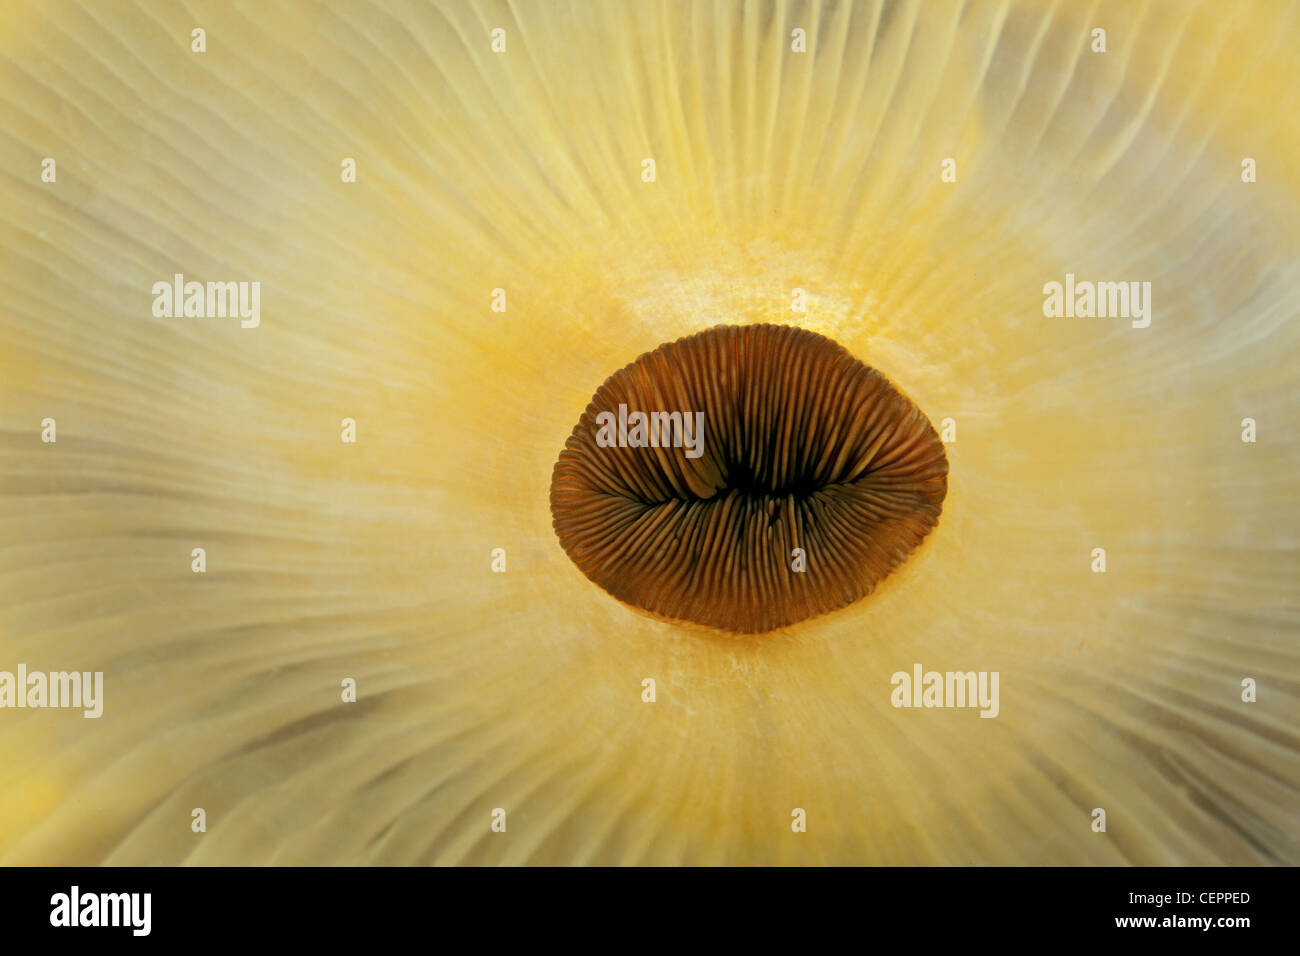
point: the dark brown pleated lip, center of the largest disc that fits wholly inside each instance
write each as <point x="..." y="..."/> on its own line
<point x="803" y="447"/>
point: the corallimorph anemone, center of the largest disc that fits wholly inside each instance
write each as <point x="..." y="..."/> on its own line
<point x="315" y="558"/>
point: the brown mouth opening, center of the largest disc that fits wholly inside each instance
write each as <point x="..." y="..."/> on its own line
<point x="807" y="480"/>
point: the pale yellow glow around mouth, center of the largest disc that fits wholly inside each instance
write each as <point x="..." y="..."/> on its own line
<point x="522" y="170"/>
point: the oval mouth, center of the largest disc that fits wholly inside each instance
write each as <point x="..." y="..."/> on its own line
<point x="746" y="478"/>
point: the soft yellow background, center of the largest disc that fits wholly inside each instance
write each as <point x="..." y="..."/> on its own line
<point x="522" y="170"/>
